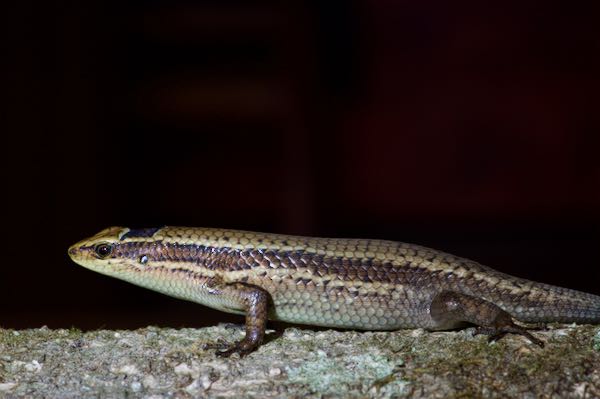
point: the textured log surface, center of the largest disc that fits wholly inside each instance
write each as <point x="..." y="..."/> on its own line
<point x="161" y="363"/>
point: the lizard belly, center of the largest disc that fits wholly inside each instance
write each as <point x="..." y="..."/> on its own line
<point x="368" y="309"/>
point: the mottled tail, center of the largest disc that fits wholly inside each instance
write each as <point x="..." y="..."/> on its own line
<point x="547" y="303"/>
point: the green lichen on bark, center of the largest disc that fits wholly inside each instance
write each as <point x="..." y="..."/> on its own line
<point x="156" y="362"/>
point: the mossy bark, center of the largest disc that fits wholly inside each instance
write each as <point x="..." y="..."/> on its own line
<point x="156" y="362"/>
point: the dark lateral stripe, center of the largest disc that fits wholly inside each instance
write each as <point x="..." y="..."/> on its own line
<point x="329" y="268"/>
<point x="135" y="233"/>
<point x="229" y="259"/>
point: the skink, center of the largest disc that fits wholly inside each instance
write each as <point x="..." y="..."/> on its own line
<point x="341" y="283"/>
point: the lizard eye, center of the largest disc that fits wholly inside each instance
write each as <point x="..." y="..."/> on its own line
<point x="103" y="250"/>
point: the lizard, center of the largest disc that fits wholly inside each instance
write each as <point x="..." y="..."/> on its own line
<point x="331" y="282"/>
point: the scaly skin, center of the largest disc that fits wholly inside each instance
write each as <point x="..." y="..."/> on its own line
<point x="345" y="283"/>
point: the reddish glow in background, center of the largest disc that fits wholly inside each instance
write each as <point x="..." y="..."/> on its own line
<point x="466" y="127"/>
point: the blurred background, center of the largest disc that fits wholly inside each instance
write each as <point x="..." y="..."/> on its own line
<point x="467" y="127"/>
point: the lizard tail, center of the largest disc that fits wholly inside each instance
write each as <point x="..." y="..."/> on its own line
<point x="547" y="303"/>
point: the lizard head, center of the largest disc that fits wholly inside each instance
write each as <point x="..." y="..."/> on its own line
<point x="102" y="252"/>
<point x="139" y="256"/>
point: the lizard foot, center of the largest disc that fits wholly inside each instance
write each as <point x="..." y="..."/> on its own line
<point x="495" y="333"/>
<point x="224" y="349"/>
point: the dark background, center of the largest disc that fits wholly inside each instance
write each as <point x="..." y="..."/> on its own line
<point x="467" y="127"/>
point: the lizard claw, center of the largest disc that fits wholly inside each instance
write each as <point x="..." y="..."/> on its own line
<point x="219" y="345"/>
<point x="495" y="333"/>
<point x="233" y="349"/>
<point x="224" y="349"/>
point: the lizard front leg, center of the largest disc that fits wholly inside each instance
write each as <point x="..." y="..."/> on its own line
<point x="449" y="308"/>
<point x="254" y="302"/>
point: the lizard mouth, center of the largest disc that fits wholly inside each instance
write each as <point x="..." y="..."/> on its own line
<point x="72" y="251"/>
